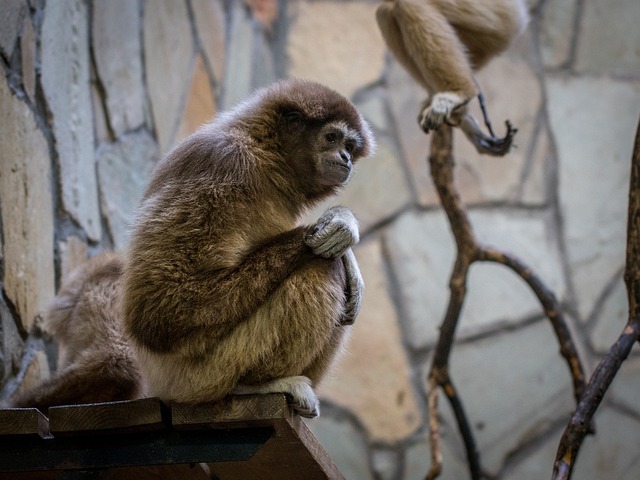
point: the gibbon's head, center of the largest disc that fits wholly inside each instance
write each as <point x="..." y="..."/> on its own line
<point x="312" y="135"/>
<point x="297" y="136"/>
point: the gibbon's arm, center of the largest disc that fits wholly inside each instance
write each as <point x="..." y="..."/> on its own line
<point x="220" y="298"/>
<point x="233" y="294"/>
<point x="353" y="289"/>
<point x="266" y="267"/>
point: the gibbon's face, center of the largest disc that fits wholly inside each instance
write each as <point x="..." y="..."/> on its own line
<point x="323" y="154"/>
<point x="336" y="145"/>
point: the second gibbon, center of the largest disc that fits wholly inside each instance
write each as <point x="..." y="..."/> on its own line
<point x="222" y="290"/>
<point x="441" y="43"/>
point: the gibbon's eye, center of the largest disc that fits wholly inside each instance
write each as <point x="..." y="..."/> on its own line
<point x="331" y="137"/>
<point x="350" y="147"/>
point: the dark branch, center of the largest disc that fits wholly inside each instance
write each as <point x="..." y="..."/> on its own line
<point x="606" y="370"/>
<point x="468" y="251"/>
<point x="551" y="309"/>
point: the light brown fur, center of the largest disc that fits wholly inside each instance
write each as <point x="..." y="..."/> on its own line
<point x="442" y="42"/>
<point x="221" y="289"/>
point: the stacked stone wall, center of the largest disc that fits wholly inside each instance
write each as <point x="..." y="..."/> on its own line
<point x="94" y="92"/>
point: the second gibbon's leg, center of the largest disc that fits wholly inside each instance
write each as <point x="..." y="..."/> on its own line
<point x="96" y="376"/>
<point x="438" y="56"/>
<point x="441" y="43"/>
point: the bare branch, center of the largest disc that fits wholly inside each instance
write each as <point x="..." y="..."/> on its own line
<point x="551" y="309"/>
<point x="608" y="367"/>
<point x="468" y="251"/>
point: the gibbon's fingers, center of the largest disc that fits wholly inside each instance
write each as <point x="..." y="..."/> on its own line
<point x="335" y="232"/>
<point x="445" y="107"/>
<point x="354" y="288"/>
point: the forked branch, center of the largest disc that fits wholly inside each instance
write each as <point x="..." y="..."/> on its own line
<point x="468" y="251"/>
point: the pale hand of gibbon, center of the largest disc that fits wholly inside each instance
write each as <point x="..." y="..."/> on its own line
<point x="443" y="107"/>
<point x="354" y="288"/>
<point x="335" y="232"/>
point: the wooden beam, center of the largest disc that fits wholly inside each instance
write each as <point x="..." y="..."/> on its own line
<point x="24" y="423"/>
<point x="249" y="437"/>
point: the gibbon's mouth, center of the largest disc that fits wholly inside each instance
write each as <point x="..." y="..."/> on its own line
<point x="345" y="166"/>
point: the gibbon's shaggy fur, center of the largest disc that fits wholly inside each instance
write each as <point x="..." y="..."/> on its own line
<point x="441" y="43"/>
<point x="221" y="289"/>
<point x="95" y="362"/>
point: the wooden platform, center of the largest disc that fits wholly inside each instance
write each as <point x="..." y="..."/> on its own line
<point x="252" y="437"/>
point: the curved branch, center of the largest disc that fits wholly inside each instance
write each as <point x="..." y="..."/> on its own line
<point x="441" y="163"/>
<point x="552" y="311"/>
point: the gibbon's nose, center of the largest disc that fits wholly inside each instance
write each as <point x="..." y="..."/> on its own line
<point x="344" y="155"/>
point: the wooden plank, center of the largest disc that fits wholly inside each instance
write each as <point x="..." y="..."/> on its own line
<point x="252" y="437"/>
<point x="51" y="475"/>
<point x="292" y="453"/>
<point x="167" y="446"/>
<point x="106" y="418"/>
<point x="155" y="472"/>
<point x="23" y="422"/>
<point x="235" y="411"/>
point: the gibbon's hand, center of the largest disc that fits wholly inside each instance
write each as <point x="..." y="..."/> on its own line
<point x="335" y="232"/>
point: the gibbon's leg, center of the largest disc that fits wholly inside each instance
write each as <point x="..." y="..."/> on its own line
<point x="305" y="345"/>
<point x="94" y="377"/>
<point x="439" y="56"/>
<point x="441" y="43"/>
<point x="298" y="388"/>
<point x="238" y="291"/>
<point x="485" y="28"/>
<point x="392" y="35"/>
<point x="281" y="338"/>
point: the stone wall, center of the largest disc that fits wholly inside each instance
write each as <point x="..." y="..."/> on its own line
<point x="94" y="92"/>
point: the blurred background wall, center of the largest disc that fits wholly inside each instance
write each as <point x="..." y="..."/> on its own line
<point x="95" y="92"/>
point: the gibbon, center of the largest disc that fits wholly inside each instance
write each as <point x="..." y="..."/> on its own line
<point x="221" y="289"/>
<point x="95" y="362"/>
<point x="441" y="43"/>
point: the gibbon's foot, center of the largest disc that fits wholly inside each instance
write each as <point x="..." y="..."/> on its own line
<point x="443" y="107"/>
<point x="353" y="288"/>
<point x="301" y="397"/>
<point x="334" y="233"/>
<point x="300" y="394"/>
<point x="488" y="144"/>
